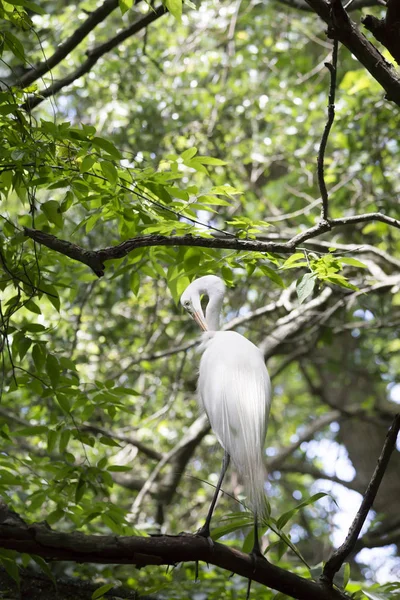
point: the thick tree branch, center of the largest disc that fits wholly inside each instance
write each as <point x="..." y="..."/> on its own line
<point x="356" y="5"/>
<point x="40" y="540"/>
<point x="347" y="32"/>
<point x="339" y="556"/>
<point x="95" y="258"/>
<point x="387" y="30"/>
<point x="93" y="57"/>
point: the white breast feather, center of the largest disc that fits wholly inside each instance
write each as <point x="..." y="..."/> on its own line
<point x="235" y="391"/>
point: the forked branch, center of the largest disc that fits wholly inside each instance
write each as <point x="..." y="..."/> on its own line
<point x="95" y="258"/>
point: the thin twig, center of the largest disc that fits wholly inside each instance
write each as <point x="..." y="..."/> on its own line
<point x="328" y="126"/>
<point x="339" y="556"/>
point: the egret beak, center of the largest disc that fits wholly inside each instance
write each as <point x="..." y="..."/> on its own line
<point x="200" y="320"/>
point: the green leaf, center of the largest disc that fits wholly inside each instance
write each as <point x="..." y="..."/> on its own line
<point x="52" y="211"/>
<point x="125" y="5"/>
<point x="305" y="286"/>
<point x="295" y="261"/>
<point x="374" y="596"/>
<point x="209" y="160"/>
<point x="175" y="8"/>
<point x="107" y="441"/>
<point x="189" y="153"/>
<point x="346" y="575"/>
<point x="348" y="260"/>
<point x="64" y="439"/>
<point x="119" y="468"/>
<point x="45" y="567"/>
<point x="102" y="590"/>
<point x="53" y="369"/>
<point x="80" y="489"/>
<point x="273" y="275"/>
<point x="32" y="307"/>
<point x="342" y="281"/>
<point x="51" y="439"/>
<point x="64" y="403"/>
<point x="32" y="430"/>
<point x="107" y="146"/>
<point x="14" y="45"/>
<point x="12" y="569"/>
<point x="283" y="519"/>
<point x="23" y="346"/>
<point x="109" y="171"/>
<point x="87" y="163"/>
<point x="7" y="478"/>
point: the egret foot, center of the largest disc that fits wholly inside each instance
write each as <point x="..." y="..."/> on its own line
<point x="205" y="533"/>
<point x="254" y="555"/>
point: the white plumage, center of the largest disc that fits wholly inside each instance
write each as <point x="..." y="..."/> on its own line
<point x="234" y="388"/>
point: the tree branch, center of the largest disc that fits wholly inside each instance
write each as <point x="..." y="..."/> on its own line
<point x="72" y="42"/>
<point x="41" y="540"/>
<point x="95" y="258"/>
<point x="93" y="57"/>
<point x="327" y="129"/>
<point x="347" y="32"/>
<point x="339" y="556"/>
<point x="356" y="5"/>
<point x="387" y="30"/>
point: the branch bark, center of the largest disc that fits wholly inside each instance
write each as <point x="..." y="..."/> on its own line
<point x="93" y="57"/>
<point x="346" y="31"/>
<point x="70" y="44"/>
<point x="41" y="540"/>
<point x="333" y="565"/>
<point x="95" y="258"/>
<point x="387" y="30"/>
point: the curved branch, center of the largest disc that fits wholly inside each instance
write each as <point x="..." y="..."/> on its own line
<point x="72" y="42"/>
<point x="39" y="539"/>
<point x="356" y="5"/>
<point x="346" y="31"/>
<point x="93" y="57"/>
<point x="333" y="565"/>
<point x="95" y="258"/>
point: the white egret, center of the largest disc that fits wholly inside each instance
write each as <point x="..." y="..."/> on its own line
<point x="234" y="390"/>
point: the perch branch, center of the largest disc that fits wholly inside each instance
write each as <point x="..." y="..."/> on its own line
<point x="40" y="539"/>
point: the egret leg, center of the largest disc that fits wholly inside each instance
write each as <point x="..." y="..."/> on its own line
<point x="205" y="530"/>
<point x="255" y="553"/>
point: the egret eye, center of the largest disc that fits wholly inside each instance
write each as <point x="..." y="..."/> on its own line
<point x="186" y="304"/>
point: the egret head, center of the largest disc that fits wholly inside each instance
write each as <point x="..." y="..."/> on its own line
<point x="214" y="288"/>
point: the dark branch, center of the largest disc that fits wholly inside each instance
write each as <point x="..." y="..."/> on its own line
<point x="356" y="5"/>
<point x="387" y="30"/>
<point x="39" y="539"/>
<point x="339" y="556"/>
<point x="347" y="32"/>
<point x="327" y="129"/>
<point x="93" y="57"/>
<point x="95" y="258"/>
<point x="72" y="42"/>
